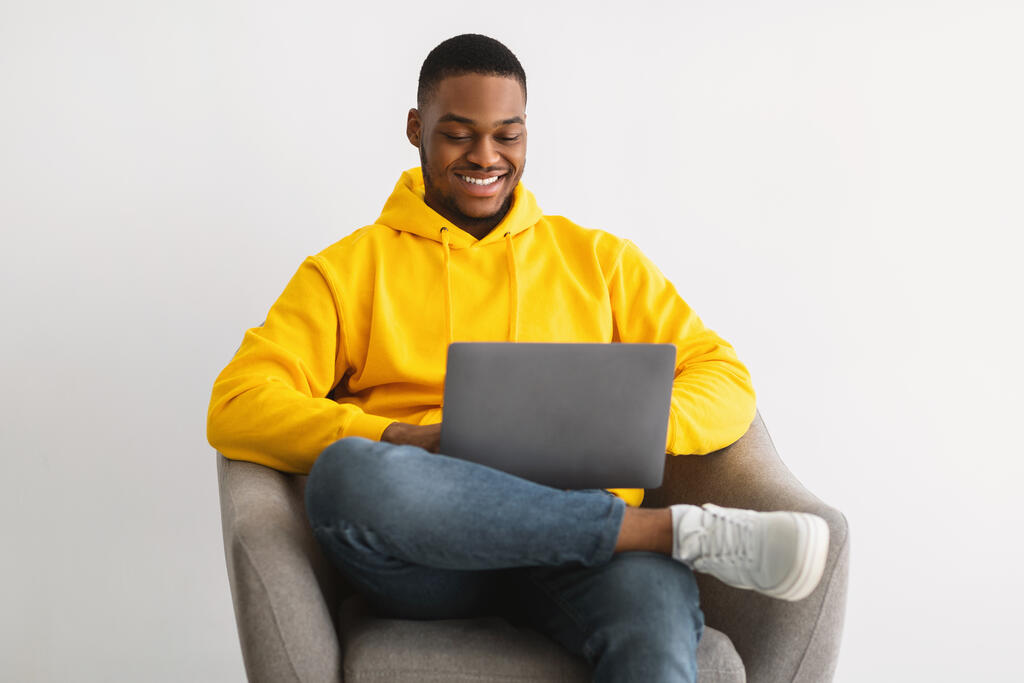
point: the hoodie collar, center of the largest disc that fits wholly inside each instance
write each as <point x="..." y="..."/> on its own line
<point x="405" y="210"/>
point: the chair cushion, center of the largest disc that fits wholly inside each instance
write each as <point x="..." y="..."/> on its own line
<point x="485" y="649"/>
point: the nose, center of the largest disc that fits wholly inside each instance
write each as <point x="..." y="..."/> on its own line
<point x="484" y="153"/>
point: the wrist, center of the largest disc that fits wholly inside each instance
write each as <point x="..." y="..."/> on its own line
<point x="394" y="432"/>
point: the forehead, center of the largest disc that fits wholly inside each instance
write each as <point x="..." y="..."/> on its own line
<point x="477" y="96"/>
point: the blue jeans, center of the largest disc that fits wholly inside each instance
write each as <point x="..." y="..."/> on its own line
<point x="425" y="536"/>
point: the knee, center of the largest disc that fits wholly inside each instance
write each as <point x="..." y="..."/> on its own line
<point x="365" y="482"/>
<point x="656" y="628"/>
<point x="340" y="457"/>
<point x="662" y="599"/>
<point x="672" y="601"/>
<point x="339" y="474"/>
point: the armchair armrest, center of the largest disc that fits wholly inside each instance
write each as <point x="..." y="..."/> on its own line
<point x="777" y="640"/>
<point x="281" y="584"/>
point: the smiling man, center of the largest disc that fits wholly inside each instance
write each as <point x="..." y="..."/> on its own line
<point x="345" y="380"/>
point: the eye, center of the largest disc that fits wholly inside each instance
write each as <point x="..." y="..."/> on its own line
<point x="509" y="138"/>
<point x="456" y="138"/>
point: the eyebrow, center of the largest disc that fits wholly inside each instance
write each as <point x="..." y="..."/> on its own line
<point x="470" y="122"/>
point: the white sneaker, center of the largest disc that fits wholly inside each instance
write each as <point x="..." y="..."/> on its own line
<point x="781" y="554"/>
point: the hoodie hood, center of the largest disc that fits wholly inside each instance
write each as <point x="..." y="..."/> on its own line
<point x="407" y="211"/>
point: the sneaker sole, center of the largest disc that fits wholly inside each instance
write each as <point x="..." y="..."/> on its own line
<point x="813" y="549"/>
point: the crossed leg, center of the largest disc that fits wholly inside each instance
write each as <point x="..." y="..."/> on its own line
<point x="426" y="536"/>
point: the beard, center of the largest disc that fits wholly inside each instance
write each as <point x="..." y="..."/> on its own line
<point x="451" y="210"/>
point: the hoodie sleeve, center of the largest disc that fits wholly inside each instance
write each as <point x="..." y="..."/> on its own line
<point x="270" y="405"/>
<point x="712" y="395"/>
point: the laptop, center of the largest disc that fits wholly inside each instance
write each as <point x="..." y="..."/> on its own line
<point x="571" y="416"/>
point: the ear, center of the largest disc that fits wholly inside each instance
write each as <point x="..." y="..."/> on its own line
<point x="414" y="128"/>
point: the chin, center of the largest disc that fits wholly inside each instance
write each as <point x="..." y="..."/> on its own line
<point x="481" y="213"/>
<point x="493" y="207"/>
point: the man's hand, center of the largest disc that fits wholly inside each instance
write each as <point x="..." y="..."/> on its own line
<point x="427" y="437"/>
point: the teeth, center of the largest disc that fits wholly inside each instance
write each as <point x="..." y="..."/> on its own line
<point x="480" y="181"/>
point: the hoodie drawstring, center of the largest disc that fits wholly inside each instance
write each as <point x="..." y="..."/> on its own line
<point x="447" y="284"/>
<point x="513" y="287"/>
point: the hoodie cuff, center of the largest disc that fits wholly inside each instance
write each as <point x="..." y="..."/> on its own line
<point x="367" y="426"/>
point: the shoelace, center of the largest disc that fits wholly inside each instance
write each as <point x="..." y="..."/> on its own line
<point x="727" y="539"/>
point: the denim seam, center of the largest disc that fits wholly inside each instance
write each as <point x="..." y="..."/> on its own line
<point x="333" y="530"/>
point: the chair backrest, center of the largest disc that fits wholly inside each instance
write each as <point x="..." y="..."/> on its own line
<point x="263" y="513"/>
<point x="777" y="640"/>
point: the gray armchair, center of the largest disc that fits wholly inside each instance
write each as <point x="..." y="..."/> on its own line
<point x="298" y="621"/>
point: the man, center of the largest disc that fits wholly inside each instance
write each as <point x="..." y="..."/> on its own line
<point x="345" y="378"/>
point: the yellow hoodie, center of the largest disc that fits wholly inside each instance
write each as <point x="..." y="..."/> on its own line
<point x="358" y="339"/>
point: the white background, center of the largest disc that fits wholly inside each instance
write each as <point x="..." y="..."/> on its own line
<point x="835" y="187"/>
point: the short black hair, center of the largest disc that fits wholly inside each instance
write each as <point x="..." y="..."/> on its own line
<point x="469" y="53"/>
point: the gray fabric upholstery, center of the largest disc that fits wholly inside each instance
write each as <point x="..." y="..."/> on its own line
<point x="778" y="641"/>
<point x="491" y="649"/>
<point x="281" y="584"/>
<point x="287" y="597"/>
